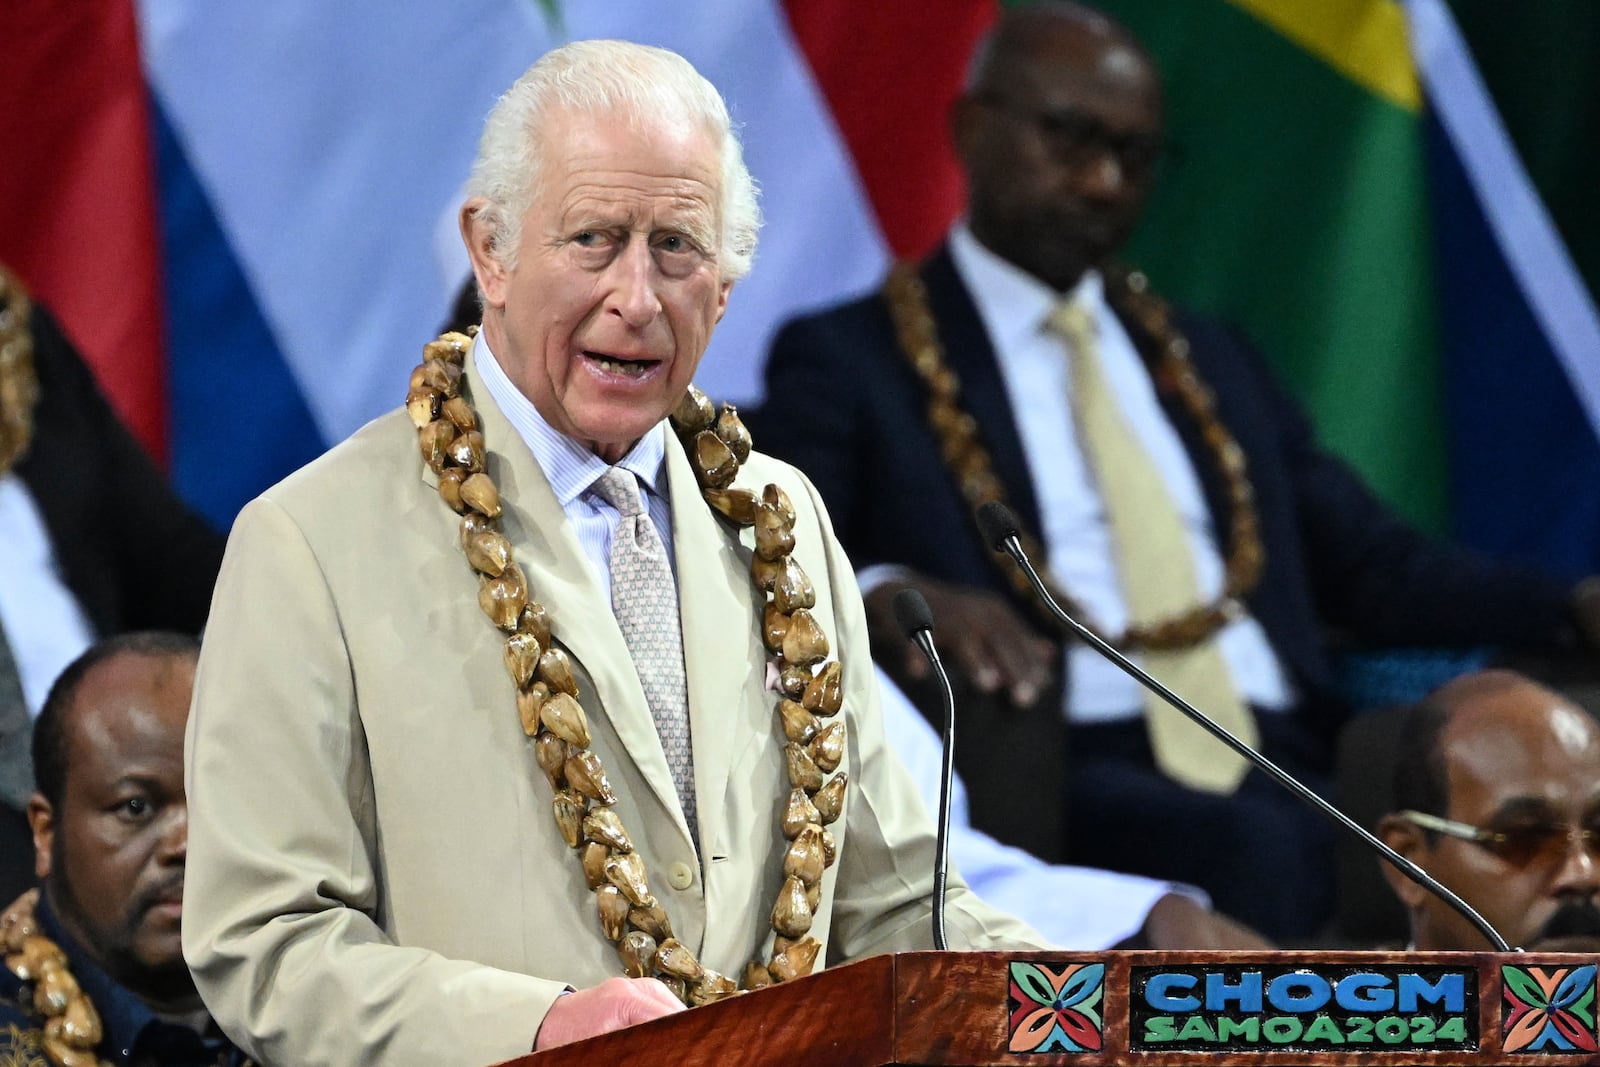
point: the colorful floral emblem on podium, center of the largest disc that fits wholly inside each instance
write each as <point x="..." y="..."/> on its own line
<point x="1548" y="1009"/>
<point x="1056" y="1009"/>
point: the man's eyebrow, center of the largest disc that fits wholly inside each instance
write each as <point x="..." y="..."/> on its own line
<point x="138" y="779"/>
<point x="590" y="221"/>
<point x="697" y="231"/>
<point x="693" y="224"/>
<point x="1524" y="807"/>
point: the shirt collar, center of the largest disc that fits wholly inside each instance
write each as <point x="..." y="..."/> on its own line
<point x="1013" y="303"/>
<point x="570" y="468"/>
<point x="125" y="1020"/>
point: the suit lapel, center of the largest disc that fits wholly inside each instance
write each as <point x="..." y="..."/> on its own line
<point x="561" y="578"/>
<point x="715" y="596"/>
<point x="970" y="353"/>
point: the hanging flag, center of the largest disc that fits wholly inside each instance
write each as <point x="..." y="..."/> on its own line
<point x="1519" y="261"/>
<point x="322" y="149"/>
<point x="1341" y="187"/>
<point x="77" y="193"/>
<point x="312" y="157"/>
<point x="1295" y="203"/>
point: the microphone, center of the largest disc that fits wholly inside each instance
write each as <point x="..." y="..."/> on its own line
<point x="915" y="619"/>
<point x="1000" y="528"/>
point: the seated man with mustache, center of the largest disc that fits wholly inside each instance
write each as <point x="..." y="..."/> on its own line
<point x="93" y="967"/>
<point x="1497" y="794"/>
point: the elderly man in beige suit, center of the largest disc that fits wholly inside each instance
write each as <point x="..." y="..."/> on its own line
<point x="416" y="839"/>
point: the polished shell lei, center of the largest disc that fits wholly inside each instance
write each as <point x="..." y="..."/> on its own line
<point x="583" y="802"/>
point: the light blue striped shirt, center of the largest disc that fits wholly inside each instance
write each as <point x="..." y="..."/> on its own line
<point x="572" y="469"/>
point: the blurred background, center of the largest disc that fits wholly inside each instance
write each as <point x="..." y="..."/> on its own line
<point x="244" y="214"/>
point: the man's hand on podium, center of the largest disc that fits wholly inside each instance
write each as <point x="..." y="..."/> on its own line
<point x="611" y="1005"/>
<point x="1178" y="922"/>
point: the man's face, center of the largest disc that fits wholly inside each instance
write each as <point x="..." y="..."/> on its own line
<point x="617" y="286"/>
<point x="112" y="853"/>
<point x="1058" y="140"/>
<point x="1519" y="760"/>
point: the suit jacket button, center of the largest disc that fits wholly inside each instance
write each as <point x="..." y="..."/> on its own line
<point x="680" y="875"/>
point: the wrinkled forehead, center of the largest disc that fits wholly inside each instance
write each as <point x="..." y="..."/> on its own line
<point x="611" y="172"/>
<point x="565" y="124"/>
<point x="621" y="142"/>
<point x="1500" y="751"/>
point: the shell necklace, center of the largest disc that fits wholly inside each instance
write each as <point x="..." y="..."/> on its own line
<point x="71" y="1025"/>
<point x="1167" y="351"/>
<point x="584" y="803"/>
<point x="19" y="384"/>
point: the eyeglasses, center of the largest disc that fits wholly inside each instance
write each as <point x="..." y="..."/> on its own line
<point x="1077" y="139"/>
<point x="1543" y="844"/>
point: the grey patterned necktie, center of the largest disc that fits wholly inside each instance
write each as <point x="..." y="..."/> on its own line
<point x="16" y="733"/>
<point x="644" y="598"/>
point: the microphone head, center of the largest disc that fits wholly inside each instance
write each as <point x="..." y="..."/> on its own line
<point x="998" y="524"/>
<point x="911" y="613"/>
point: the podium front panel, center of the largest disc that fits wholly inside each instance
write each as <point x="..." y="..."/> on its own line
<point x="1114" y="1009"/>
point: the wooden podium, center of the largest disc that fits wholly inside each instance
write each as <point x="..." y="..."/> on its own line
<point x="1104" y="1008"/>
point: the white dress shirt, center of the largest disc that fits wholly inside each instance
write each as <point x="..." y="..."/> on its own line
<point x="44" y="623"/>
<point x="1033" y="363"/>
<point x="1074" y="907"/>
<point x="573" y="469"/>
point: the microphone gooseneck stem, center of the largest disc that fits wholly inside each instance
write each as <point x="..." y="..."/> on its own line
<point x="1013" y="547"/>
<point x="941" y="863"/>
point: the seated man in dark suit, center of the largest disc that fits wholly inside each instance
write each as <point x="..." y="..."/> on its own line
<point x="1497" y="795"/>
<point x="1174" y="489"/>
<point x="110" y="828"/>
<point x="95" y="541"/>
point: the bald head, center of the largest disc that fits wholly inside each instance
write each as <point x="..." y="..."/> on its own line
<point x="1086" y="38"/>
<point x="157" y="651"/>
<point x="1057" y="132"/>
<point x="1518" y="767"/>
<point x="110" y="817"/>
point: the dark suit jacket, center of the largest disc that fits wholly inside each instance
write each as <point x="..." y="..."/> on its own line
<point x="844" y="406"/>
<point x="133" y="554"/>
<point x="131" y="1032"/>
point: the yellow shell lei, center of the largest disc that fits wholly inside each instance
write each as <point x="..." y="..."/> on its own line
<point x="584" y="803"/>
<point x="1167" y="351"/>
<point x="19" y="384"/>
<point x="71" y="1024"/>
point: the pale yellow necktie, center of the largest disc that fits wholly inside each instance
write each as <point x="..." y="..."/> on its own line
<point x="1156" y="569"/>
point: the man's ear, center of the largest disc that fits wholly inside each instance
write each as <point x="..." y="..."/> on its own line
<point x="1408" y="839"/>
<point x="722" y="300"/>
<point x="963" y="120"/>
<point x="42" y="820"/>
<point x="479" y="234"/>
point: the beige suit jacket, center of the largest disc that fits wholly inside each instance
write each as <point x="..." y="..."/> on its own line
<point x="374" y="873"/>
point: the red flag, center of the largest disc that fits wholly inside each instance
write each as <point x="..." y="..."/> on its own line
<point x="78" y="216"/>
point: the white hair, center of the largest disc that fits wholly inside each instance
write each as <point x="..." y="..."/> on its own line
<point x="649" y="85"/>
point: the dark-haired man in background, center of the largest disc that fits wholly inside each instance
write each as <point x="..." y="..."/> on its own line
<point x="110" y="828"/>
<point x="1176" y="494"/>
<point x="1497" y="795"/>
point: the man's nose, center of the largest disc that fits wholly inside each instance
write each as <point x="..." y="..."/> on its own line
<point x="633" y="295"/>
<point x="1579" y="871"/>
<point x="175" y="835"/>
<point x="1102" y="176"/>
